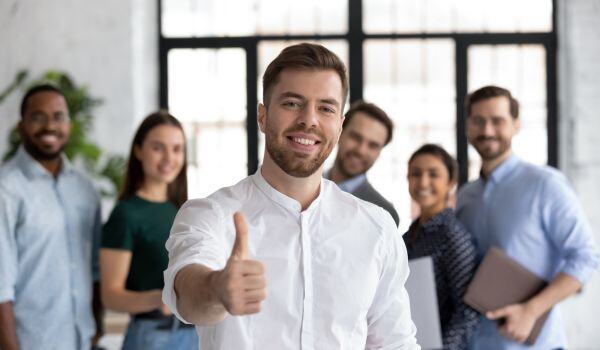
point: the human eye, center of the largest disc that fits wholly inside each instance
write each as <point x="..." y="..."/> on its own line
<point x="61" y="117"/>
<point x="156" y="146"/>
<point x="37" y="118"/>
<point x="498" y="121"/>
<point x="291" y="104"/>
<point x="414" y="173"/>
<point x="327" y="109"/>
<point x="478" y="121"/>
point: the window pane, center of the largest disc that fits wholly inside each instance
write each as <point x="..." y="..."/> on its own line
<point x="522" y="70"/>
<point x="414" y="82"/>
<point x="268" y="50"/>
<point x="207" y="92"/>
<point x="431" y="16"/>
<point x="206" y="18"/>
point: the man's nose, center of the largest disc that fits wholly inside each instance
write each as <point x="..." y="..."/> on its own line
<point x="308" y="116"/>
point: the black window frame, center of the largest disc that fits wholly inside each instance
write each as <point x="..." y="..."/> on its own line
<point x="355" y="37"/>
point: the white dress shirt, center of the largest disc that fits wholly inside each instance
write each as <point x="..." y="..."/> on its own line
<point x="335" y="272"/>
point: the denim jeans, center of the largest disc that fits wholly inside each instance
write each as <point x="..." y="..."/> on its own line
<point x="149" y="334"/>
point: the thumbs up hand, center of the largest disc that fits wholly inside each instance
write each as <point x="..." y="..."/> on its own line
<point x="241" y="285"/>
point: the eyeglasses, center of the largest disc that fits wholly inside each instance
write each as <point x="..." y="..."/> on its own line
<point x="43" y="119"/>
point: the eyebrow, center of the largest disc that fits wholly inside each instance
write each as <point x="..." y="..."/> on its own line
<point x="287" y="94"/>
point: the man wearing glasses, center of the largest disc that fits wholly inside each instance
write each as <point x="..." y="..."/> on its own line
<point x="49" y="234"/>
<point x="532" y="214"/>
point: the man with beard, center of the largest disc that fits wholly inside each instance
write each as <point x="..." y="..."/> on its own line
<point x="313" y="266"/>
<point x="532" y="214"/>
<point x="366" y="130"/>
<point x="49" y="234"/>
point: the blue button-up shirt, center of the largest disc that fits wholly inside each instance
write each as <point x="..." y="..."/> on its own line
<point x="49" y="236"/>
<point x="532" y="214"/>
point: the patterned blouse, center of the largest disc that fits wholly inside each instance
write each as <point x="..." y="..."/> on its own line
<point x="453" y="252"/>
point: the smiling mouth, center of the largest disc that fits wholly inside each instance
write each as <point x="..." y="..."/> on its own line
<point x="303" y="141"/>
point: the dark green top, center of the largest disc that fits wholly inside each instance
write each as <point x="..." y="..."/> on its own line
<point x="141" y="227"/>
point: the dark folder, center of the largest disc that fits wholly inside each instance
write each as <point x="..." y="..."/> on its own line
<point x="501" y="281"/>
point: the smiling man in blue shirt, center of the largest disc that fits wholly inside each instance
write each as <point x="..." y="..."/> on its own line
<point x="532" y="214"/>
<point x="49" y="235"/>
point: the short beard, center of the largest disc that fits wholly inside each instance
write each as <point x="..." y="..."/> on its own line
<point x="486" y="156"/>
<point x="339" y="164"/>
<point x="284" y="159"/>
<point x="39" y="154"/>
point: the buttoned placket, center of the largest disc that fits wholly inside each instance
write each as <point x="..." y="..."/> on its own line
<point x="71" y="251"/>
<point x="307" y="336"/>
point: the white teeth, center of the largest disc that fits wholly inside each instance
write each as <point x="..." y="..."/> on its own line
<point x="424" y="193"/>
<point x="49" y="138"/>
<point x="304" y="141"/>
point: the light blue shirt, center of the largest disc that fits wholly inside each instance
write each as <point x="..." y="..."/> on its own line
<point x="350" y="185"/>
<point x="49" y="238"/>
<point x="532" y="214"/>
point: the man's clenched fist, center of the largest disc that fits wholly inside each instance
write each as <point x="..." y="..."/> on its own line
<point x="241" y="285"/>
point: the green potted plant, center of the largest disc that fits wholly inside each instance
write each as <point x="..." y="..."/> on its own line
<point x="80" y="149"/>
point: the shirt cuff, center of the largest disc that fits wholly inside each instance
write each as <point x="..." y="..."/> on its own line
<point x="7" y="295"/>
<point x="580" y="273"/>
<point x="168" y="295"/>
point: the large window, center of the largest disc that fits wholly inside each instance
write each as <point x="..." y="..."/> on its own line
<point x="417" y="59"/>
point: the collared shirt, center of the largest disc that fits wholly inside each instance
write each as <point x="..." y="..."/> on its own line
<point x="532" y="214"/>
<point x="350" y="185"/>
<point x="49" y="236"/>
<point x="335" y="272"/>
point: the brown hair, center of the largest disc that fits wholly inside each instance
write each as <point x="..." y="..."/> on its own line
<point x="442" y="154"/>
<point x="303" y="56"/>
<point x="492" y="91"/>
<point x="134" y="176"/>
<point x="373" y="112"/>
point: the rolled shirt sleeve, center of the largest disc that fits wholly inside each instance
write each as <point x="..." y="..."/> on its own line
<point x="197" y="237"/>
<point x="568" y="228"/>
<point x="389" y="322"/>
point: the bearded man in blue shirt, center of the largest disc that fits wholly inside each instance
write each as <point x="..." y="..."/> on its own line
<point x="49" y="235"/>
<point x="532" y="214"/>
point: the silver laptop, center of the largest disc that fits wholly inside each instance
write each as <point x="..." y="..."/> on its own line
<point x="420" y="286"/>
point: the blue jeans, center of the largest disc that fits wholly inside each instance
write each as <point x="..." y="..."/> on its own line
<point x="149" y="334"/>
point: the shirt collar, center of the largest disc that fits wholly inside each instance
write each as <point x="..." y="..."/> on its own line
<point x="350" y="185"/>
<point x="504" y="169"/>
<point x="431" y="225"/>
<point x="32" y="168"/>
<point x="288" y="203"/>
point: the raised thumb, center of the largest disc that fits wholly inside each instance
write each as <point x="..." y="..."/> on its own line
<point x="240" y="246"/>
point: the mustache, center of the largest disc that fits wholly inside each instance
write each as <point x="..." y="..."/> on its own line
<point x="313" y="131"/>
<point x="486" y="138"/>
<point x="355" y="154"/>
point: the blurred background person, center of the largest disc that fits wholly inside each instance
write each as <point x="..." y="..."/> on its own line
<point x="437" y="233"/>
<point x="367" y="129"/>
<point x="49" y="234"/>
<point x="133" y="254"/>
<point x="532" y="214"/>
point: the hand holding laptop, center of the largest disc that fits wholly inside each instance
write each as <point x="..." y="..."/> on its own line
<point x="517" y="321"/>
<point x="500" y="290"/>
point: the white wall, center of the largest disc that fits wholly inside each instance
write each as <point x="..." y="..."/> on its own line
<point x="579" y="106"/>
<point x="109" y="45"/>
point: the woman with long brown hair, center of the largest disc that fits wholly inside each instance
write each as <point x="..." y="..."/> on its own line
<point x="133" y="254"/>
